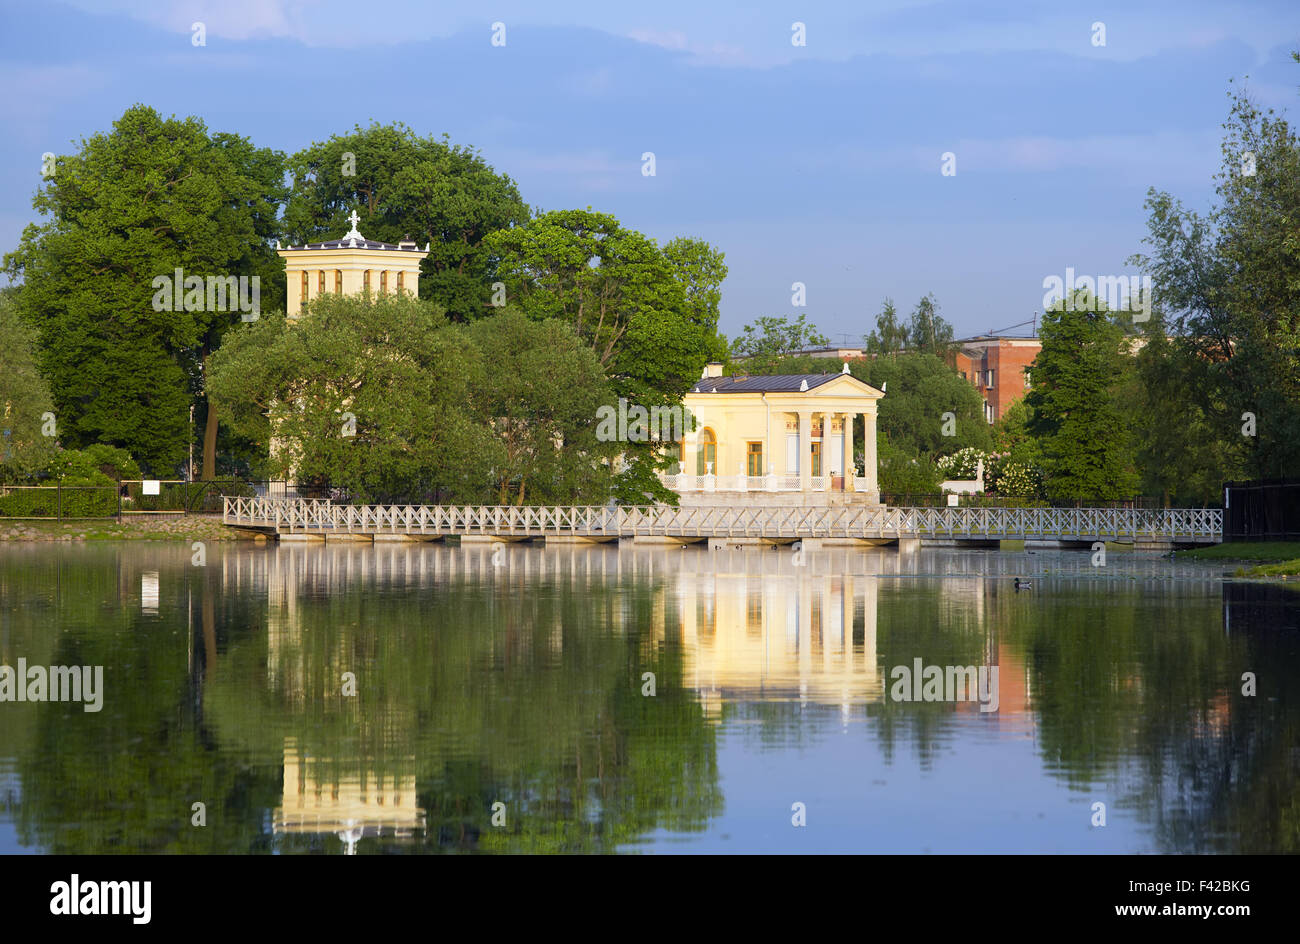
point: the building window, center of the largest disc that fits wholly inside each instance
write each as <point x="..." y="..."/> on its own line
<point x="306" y="285"/>
<point x="401" y="281"/>
<point x="706" y="457"/>
<point x="754" y="459"/>
<point x="320" y="282"/>
<point x="1027" y="380"/>
<point x="383" y="282"/>
<point x="816" y="459"/>
<point x="988" y="411"/>
<point x="338" y="281"/>
<point x="365" y="281"/>
<point x="990" y="380"/>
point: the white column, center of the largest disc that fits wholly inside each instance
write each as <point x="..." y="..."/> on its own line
<point x="869" y="454"/>
<point x="805" y="450"/>
<point x="848" y="451"/>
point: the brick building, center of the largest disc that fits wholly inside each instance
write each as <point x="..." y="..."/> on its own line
<point x="998" y="368"/>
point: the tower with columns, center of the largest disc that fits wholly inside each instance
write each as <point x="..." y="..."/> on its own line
<point x="349" y="266"/>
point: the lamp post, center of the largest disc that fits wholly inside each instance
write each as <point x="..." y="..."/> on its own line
<point x="189" y="470"/>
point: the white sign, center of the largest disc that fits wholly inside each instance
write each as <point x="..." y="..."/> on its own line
<point x="151" y="486"/>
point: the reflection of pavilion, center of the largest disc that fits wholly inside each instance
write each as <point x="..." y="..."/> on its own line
<point x="784" y="635"/>
<point x="354" y="800"/>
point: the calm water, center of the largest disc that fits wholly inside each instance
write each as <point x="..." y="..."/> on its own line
<point x="521" y="684"/>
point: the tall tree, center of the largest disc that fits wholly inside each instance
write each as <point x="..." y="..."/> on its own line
<point x="549" y="453"/>
<point x="644" y="312"/>
<point x="771" y="338"/>
<point x="401" y="184"/>
<point x="1072" y="400"/>
<point x="928" y="409"/>
<point x="371" y="394"/>
<point x="927" y="332"/>
<point x="1230" y="281"/>
<point x="890" y="335"/>
<point x="24" y="397"/>
<point x="152" y="196"/>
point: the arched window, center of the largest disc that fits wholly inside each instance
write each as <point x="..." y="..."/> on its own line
<point x="383" y="281"/>
<point x="338" y="281"/>
<point x="401" y="281"/>
<point x="706" y="456"/>
<point x="320" y="282"/>
<point x="306" y="286"/>
<point x="365" y="280"/>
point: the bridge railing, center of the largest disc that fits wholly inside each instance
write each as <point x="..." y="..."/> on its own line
<point x="293" y="515"/>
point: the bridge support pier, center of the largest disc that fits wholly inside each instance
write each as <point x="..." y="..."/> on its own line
<point x="909" y="545"/>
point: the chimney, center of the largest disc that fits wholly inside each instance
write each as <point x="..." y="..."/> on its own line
<point x="713" y="369"/>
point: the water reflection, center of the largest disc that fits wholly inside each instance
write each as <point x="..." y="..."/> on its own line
<point x="499" y="699"/>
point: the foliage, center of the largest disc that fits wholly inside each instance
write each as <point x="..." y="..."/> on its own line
<point x="1085" y="444"/>
<point x="963" y="464"/>
<point x="369" y="393"/>
<point x="404" y="185"/>
<point x="620" y="293"/>
<point x="149" y="197"/>
<point x="927" y="332"/>
<point x="901" y="472"/>
<point x="24" y="397"/>
<point x="1011" y="479"/>
<point x="890" y="335"/>
<point x="770" y="338"/>
<point x="545" y="432"/>
<point x="1230" y="283"/>
<point x="921" y="388"/>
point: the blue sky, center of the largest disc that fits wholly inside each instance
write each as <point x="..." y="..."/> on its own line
<point x="819" y="164"/>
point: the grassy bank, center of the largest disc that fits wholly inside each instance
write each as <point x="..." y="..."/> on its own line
<point x="1289" y="568"/>
<point x="144" y="527"/>
<point x="1246" y="551"/>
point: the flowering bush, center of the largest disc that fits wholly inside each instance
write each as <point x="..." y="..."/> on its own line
<point x="1013" y="479"/>
<point x="963" y="464"/>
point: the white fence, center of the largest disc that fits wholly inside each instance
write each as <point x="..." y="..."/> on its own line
<point x="1204" y="525"/>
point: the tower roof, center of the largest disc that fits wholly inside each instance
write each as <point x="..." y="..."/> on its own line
<point x="353" y="239"/>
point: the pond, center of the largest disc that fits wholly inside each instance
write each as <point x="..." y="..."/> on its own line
<point x="419" y="698"/>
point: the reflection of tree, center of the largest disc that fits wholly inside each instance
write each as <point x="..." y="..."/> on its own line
<point x="916" y="622"/>
<point x="123" y="779"/>
<point x="1142" y="688"/>
<point x="532" y="699"/>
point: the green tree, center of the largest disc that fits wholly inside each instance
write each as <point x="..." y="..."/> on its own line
<point x="700" y="269"/>
<point x="619" y="292"/>
<point x="890" y="335"/>
<point x="928" y="409"/>
<point x="1086" y="446"/>
<point x="546" y="431"/>
<point x="370" y="393"/>
<point x="1230" y="281"/>
<point x="152" y="196"/>
<point x="927" y="332"/>
<point x="401" y="185"/>
<point x="24" y="398"/>
<point x="770" y="338"/>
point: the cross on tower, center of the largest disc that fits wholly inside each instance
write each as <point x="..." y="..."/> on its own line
<point x="353" y="233"/>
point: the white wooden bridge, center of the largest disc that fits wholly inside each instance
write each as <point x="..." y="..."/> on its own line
<point x="309" y="518"/>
